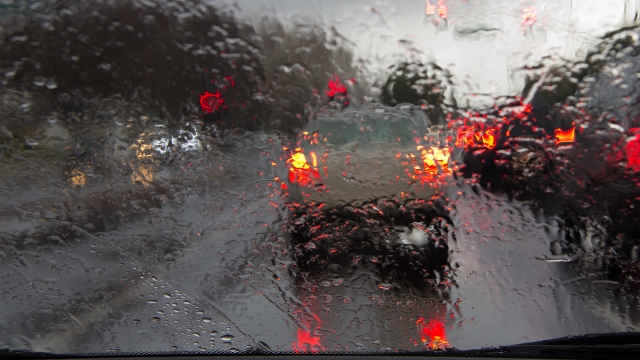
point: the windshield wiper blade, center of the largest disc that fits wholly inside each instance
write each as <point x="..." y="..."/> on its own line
<point x="617" y="338"/>
<point x="590" y="346"/>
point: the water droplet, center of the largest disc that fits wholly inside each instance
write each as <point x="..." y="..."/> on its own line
<point x="206" y="320"/>
<point x="31" y="141"/>
<point x="152" y="301"/>
<point x="385" y="286"/>
<point x="39" y="81"/>
<point x="227" y="338"/>
<point x="51" y="84"/>
<point x="168" y="296"/>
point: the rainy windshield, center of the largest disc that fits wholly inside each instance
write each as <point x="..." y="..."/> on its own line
<point x="315" y="176"/>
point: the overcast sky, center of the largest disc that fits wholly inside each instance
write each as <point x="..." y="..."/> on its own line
<point x="483" y="42"/>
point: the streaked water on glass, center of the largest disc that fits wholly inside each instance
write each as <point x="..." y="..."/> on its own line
<point x="363" y="175"/>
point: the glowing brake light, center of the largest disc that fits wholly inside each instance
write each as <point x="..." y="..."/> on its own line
<point x="565" y="136"/>
<point x="488" y="140"/>
<point x="300" y="172"/>
<point x="435" y="156"/>
<point x="433" y="334"/>
<point x="299" y="161"/>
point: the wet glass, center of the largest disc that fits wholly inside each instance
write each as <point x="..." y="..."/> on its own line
<point x="322" y="175"/>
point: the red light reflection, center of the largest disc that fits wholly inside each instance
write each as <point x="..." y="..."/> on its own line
<point x="529" y="16"/>
<point x="335" y="87"/>
<point x="443" y="10"/>
<point x="211" y="102"/>
<point x="307" y="342"/>
<point x="304" y="177"/>
<point x="430" y="10"/>
<point x="632" y="149"/>
<point x="434" y="333"/>
<point x="465" y="136"/>
<point x="470" y="136"/>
